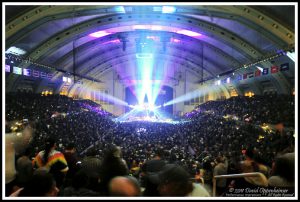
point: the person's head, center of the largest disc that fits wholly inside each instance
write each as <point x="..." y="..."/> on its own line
<point x="173" y="180"/>
<point x="80" y="179"/>
<point x="49" y="145"/>
<point x="113" y="151"/>
<point x="42" y="183"/>
<point x="249" y="152"/>
<point x="220" y="159"/>
<point x="159" y="154"/>
<point x="124" y="186"/>
<point x="70" y="147"/>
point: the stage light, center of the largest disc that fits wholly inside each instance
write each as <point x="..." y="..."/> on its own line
<point x="99" y="34"/>
<point x="140" y="27"/>
<point x="196" y="93"/>
<point x="157" y="8"/>
<point x="175" y="40"/>
<point x="168" y="9"/>
<point x="156" y="27"/>
<point x="15" y="51"/>
<point x="119" y="9"/>
<point x="188" y="33"/>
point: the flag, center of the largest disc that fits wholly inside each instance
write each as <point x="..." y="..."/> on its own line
<point x="239" y="77"/>
<point x="250" y="75"/>
<point x="265" y="71"/>
<point x="17" y="70"/>
<point x="35" y="73"/>
<point x="7" y="68"/>
<point x="285" y="66"/>
<point x="43" y="75"/>
<point x="27" y="72"/>
<point x="257" y="73"/>
<point x="274" y="69"/>
<point x="49" y="75"/>
<point x="245" y="76"/>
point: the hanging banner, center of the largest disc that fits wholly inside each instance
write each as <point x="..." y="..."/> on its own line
<point x="239" y="77"/>
<point x="274" y="69"/>
<point x="49" y="75"/>
<point x="27" y="72"/>
<point x="35" y="73"/>
<point x="284" y="67"/>
<point x="265" y="71"/>
<point x="257" y="73"/>
<point x="250" y="75"/>
<point x="17" y="70"/>
<point x="43" y="75"/>
<point x="7" y="68"/>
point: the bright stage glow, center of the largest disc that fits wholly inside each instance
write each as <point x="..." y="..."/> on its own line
<point x="144" y="55"/>
<point x="156" y="27"/>
<point x="147" y="113"/>
<point x="145" y="106"/>
<point x="140" y="27"/>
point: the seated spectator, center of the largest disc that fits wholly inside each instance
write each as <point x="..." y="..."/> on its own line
<point x="15" y="142"/>
<point x="249" y="166"/>
<point x="80" y="186"/>
<point x="42" y="183"/>
<point x="283" y="171"/>
<point x="112" y="165"/>
<point x="149" y="167"/>
<point x="52" y="160"/>
<point x="221" y="169"/>
<point x="124" y="186"/>
<point x="24" y="168"/>
<point x="173" y="180"/>
<point x="91" y="166"/>
<point x="72" y="161"/>
<point x="199" y="191"/>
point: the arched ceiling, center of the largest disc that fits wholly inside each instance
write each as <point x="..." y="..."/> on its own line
<point x="229" y="36"/>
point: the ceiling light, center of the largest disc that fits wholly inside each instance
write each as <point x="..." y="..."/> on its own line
<point x="168" y="9"/>
<point x="188" y="33"/>
<point x="15" y="51"/>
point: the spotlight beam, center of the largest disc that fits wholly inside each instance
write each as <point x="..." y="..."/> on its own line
<point x="113" y="99"/>
<point x="188" y="96"/>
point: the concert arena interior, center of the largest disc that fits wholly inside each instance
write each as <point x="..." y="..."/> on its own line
<point x="150" y="100"/>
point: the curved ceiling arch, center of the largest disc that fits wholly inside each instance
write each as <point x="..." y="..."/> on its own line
<point x="217" y="35"/>
<point x="241" y="11"/>
<point x="77" y="30"/>
<point x="110" y="41"/>
<point x="84" y="59"/>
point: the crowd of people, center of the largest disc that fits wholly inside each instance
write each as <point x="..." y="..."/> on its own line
<point x="88" y="153"/>
<point x="259" y="109"/>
